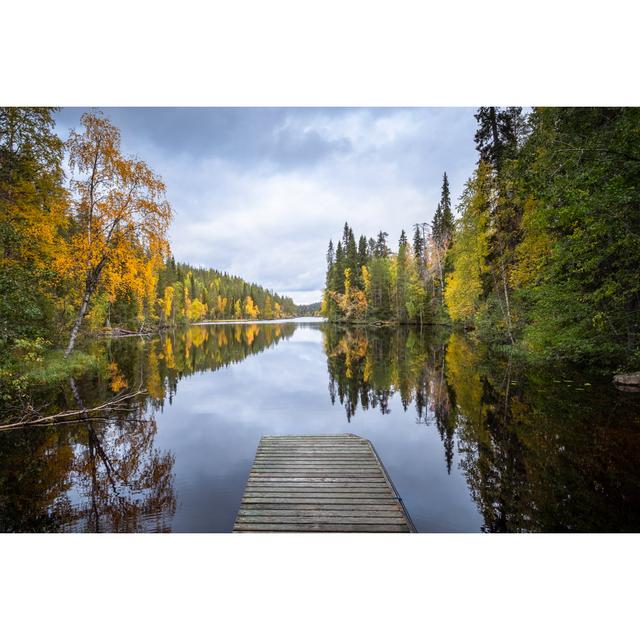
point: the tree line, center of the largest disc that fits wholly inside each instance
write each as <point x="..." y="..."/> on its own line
<point x="88" y="248"/>
<point x="543" y="254"/>
<point x="192" y="294"/>
<point x="367" y="281"/>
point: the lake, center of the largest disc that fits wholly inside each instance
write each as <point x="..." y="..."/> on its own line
<point x="472" y="442"/>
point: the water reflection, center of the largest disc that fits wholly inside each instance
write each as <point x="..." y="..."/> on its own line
<point x="103" y="475"/>
<point x="103" y="472"/>
<point x="473" y="442"/>
<point x="541" y="450"/>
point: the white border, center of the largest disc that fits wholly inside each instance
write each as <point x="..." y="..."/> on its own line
<point x="319" y="53"/>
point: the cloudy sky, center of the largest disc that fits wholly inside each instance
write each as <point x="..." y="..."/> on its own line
<point x="259" y="192"/>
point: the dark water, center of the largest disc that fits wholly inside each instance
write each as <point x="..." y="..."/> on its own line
<point x="471" y="443"/>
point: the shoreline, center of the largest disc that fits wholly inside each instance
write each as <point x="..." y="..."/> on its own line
<point x="123" y="333"/>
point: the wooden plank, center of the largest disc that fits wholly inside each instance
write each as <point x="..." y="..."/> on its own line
<point x="315" y="462"/>
<point x="320" y="510"/>
<point x="323" y="528"/>
<point x="312" y="491"/>
<point x="297" y="506"/>
<point x="323" y="473"/>
<point x="296" y="500"/>
<point x="324" y="483"/>
<point x="313" y="519"/>
<point x="317" y="480"/>
<point x="315" y="483"/>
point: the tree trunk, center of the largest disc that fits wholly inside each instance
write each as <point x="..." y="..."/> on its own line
<point x="76" y="325"/>
<point x="506" y="299"/>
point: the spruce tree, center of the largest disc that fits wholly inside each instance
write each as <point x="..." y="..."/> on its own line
<point x="337" y="283"/>
<point x="443" y="218"/>
<point x="436" y="225"/>
<point x="382" y="251"/>
<point x="363" y="252"/>
<point x="402" y="279"/>
<point x="330" y="255"/>
<point x="418" y="248"/>
<point x="498" y="134"/>
<point x="352" y="260"/>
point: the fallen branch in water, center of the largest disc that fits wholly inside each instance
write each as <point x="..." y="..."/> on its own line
<point x="66" y="414"/>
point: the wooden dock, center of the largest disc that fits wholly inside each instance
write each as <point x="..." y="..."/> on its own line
<point x="325" y="483"/>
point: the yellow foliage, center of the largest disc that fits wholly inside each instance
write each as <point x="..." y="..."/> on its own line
<point x="154" y="383"/>
<point x="462" y="359"/>
<point x="250" y="308"/>
<point x="120" y="216"/>
<point x="198" y="335"/>
<point x="221" y="305"/>
<point x="353" y="304"/>
<point x="167" y="302"/>
<point x="117" y="381"/>
<point x="366" y="278"/>
<point x="252" y="331"/>
<point x="195" y="310"/>
<point x="464" y="286"/>
<point x="347" y="282"/>
<point x="168" y="353"/>
<point x="535" y="248"/>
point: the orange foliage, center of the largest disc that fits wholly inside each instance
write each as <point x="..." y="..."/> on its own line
<point x="120" y="217"/>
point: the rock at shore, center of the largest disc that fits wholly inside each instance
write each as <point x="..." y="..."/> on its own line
<point x="628" y="381"/>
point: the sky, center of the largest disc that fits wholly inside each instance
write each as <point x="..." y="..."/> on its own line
<point x="259" y="192"/>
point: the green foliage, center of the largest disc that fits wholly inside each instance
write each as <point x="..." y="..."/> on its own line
<point x="545" y="254"/>
<point x="53" y="367"/>
<point x="383" y="286"/>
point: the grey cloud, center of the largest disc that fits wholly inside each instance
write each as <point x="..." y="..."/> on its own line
<point x="259" y="192"/>
<point x="244" y="136"/>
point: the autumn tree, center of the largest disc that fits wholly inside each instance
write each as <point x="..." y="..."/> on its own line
<point x="166" y="303"/>
<point x="464" y="288"/>
<point x="251" y="308"/>
<point x="120" y="214"/>
<point x="32" y="215"/>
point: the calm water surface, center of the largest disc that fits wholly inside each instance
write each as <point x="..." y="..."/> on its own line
<point x="471" y="443"/>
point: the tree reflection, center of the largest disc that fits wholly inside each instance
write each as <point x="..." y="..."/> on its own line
<point x="104" y="471"/>
<point x="128" y="482"/>
<point x="540" y="450"/>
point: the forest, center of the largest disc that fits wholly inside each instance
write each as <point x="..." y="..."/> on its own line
<point x="542" y="257"/>
<point x="84" y="248"/>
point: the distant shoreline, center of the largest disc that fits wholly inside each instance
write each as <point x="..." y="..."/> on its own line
<point x="308" y="319"/>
